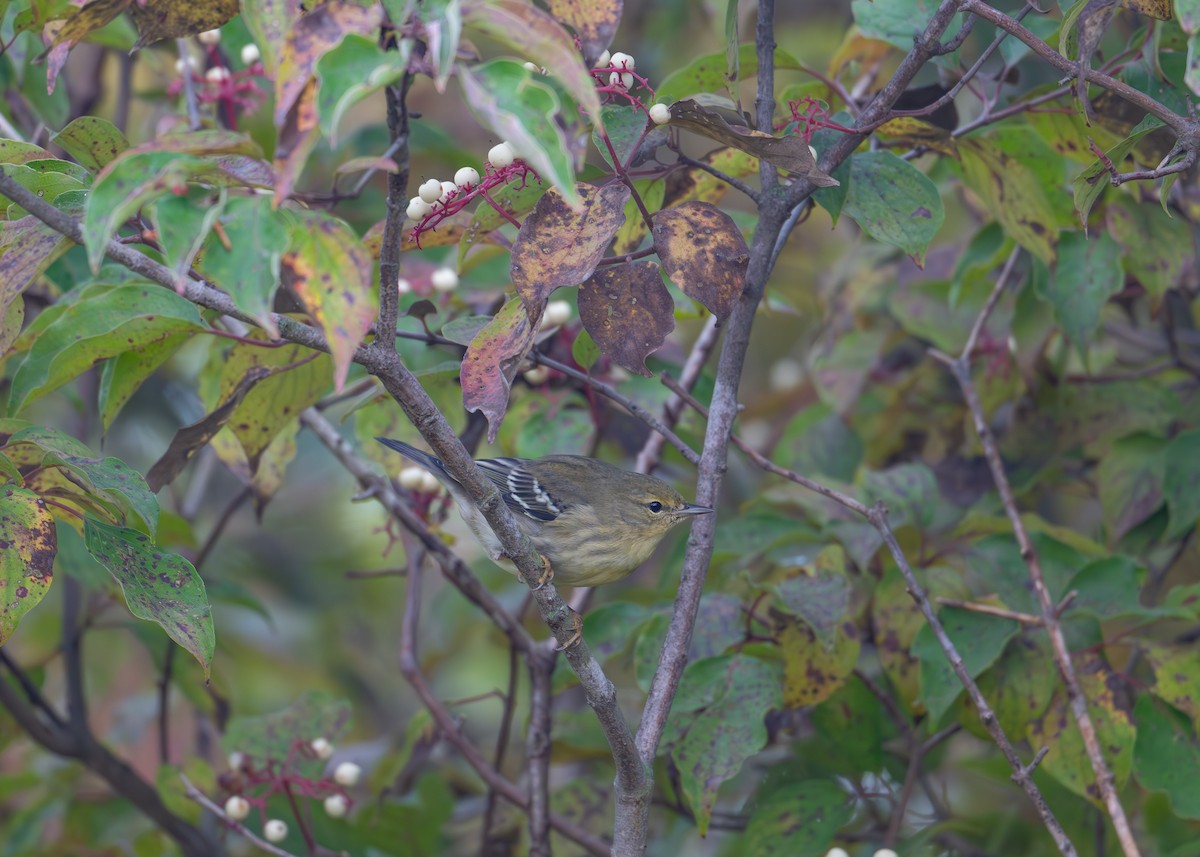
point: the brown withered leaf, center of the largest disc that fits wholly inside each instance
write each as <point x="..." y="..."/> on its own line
<point x="173" y="19"/>
<point x="594" y="21"/>
<point x="911" y="132"/>
<point x="560" y="246"/>
<point x="1160" y="9"/>
<point x="190" y="439"/>
<point x="628" y="312"/>
<point x="492" y="360"/>
<point x="297" y="137"/>
<point x="703" y="253"/>
<point x="62" y="36"/>
<point x="311" y="37"/>
<point x="789" y="153"/>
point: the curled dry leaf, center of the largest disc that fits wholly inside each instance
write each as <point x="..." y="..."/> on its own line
<point x="787" y="153"/>
<point x="492" y="360"/>
<point x="628" y="312"/>
<point x="703" y="253"/>
<point x="561" y="246"/>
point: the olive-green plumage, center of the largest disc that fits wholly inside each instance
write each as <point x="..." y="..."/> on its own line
<point x="593" y="522"/>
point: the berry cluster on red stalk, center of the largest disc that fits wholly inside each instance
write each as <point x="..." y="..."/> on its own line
<point x="809" y="116"/>
<point x="234" y="92"/>
<point x="616" y="78"/>
<point x="433" y="205"/>
<point x="251" y="786"/>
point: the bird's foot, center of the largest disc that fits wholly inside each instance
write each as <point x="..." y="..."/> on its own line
<point x="547" y="573"/>
<point x="576" y="638"/>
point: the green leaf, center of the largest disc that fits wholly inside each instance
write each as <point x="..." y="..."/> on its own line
<point x="105" y="321"/>
<point x="717" y="739"/>
<point x="624" y="125"/>
<point x="27" y="561"/>
<point x="706" y="74"/>
<point x="159" y="587"/>
<point x="819" y="595"/>
<point x="535" y="35"/>
<point x="894" y="202"/>
<point x="1088" y="273"/>
<point x="1020" y="684"/>
<point x="979" y="638"/>
<point x="27" y="248"/>
<point x="1181" y="482"/>
<point x="47" y="178"/>
<point x="1090" y="183"/>
<point x="350" y="72"/>
<point x="330" y="270"/>
<point x="442" y="20"/>
<point x="123" y="375"/>
<point x="1012" y="192"/>
<point x="909" y="491"/>
<point x="799" y="819"/>
<point x="507" y="98"/>
<point x="584" y="350"/>
<point x="182" y="223"/>
<point x="1130" y="482"/>
<point x="316" y="714"/>
<point x="109" y="478"/>
<point x="92" y="140"/>
<point x="1166" y="756"/>
<point x="1109" y="587"/>
<point x="249" y="269"/>
<point x="1158" y="248"/>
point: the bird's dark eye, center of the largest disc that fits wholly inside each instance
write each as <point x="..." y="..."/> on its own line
<point x="654" y="506"/>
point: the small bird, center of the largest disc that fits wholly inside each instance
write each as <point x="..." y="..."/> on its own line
<point x="592" y="522"/>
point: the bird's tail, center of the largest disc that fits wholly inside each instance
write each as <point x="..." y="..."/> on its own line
<point x="434" y="465"/>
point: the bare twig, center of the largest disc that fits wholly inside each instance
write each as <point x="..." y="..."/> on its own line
<point x="194" y="794"/>
<point x="960" y="367"/>
<point x="502" y="736"/>
<point x="721" y="175"/>
<point x="537" y="754"/>
<point x="990" y="610"/>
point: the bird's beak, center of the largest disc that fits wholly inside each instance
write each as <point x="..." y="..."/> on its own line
<point x="693" y="509"/>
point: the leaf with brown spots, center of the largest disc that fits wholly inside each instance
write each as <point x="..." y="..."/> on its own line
<point x="268" y="22"/>
<point x="594" y="21"/>
<point x="980" y="639"/>
<point x="298" y="378"/>
<point x="329" y="270"/>
<point x="314" y="34"/>
<point x="1067" y="760"/>
<point x="628" y="312"/>
<point x="820" y="595"/>
<point x="190" y="439"/>
<point x="697" y="184"/>
<point x="28" y="543"/>
<point x="812" y="671"/>
<point x="703" y="253"/>
<point x="159" y="587"/>
<point x="247" y="263"/>
<point x="173" y="19"/>
<point x="561" y="246"/>
<point x="789" y="153"/>
<point x="92" y="141"/>
<point x="1012" y="194"/>
<point x="798" y="817"/>
<point x="106" y="480"/>
<point x="492" y="360"/>
<point x="298" y="134"/>
<point x="720" y="724"/>
<point x="27" y="247"/>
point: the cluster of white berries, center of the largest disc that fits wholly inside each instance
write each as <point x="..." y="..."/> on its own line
<point x="346" y="774"/>
<point x="250" y="52"/>
<point x="417" y="479"/>
<point x="622" y="61"/>
<point x="435" y="192"/>
<point x="841" y="852"/>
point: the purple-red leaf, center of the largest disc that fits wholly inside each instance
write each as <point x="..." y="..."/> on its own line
<point x="628" y="312"/>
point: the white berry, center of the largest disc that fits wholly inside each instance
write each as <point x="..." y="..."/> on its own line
<point x="466" y="178"/>
<point x="217" y="74"/>
<point x="209" y="37"/>
<point x="237" y="807"/>
<point x="836" y="852"/>
<point x="537" y="376"/>
<point x="250" y="54"/>
<point x="604" y="60"/>
<point x="444" y="279"/>
<point x="886" y="852"/>
<point x="186" y="62"/>
<point x="403" y="286"/>
<point x="336" y="806"/>
<point x="557" y="314"/>
<point x="429" y="482"/>
<point x="236" y="759"/>
<point x="275" y="830"/>
<point x="622" y="60"/>
<point x="321" y="748"/>
<point x="346" y="774"/>
<point x="531" y="67"/>
<point x="430" y="190"/>
<point x="448" y="189"/>
<point x="623" y="80"/>
<point x="500" y="155"/>
<point x="660" y="114"/>
<point x="418" y="208"/>
<point x="412" y="478"/>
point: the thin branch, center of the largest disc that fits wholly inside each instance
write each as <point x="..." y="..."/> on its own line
<point x="990" y="610"/>
<point x="506" y="718"/>
<point x="537" y="753"/>
<point x="960" y="367"/>
<point x="721" y="175"/>
<point x="194" y="794"/>
<point x="410" y="668"/>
